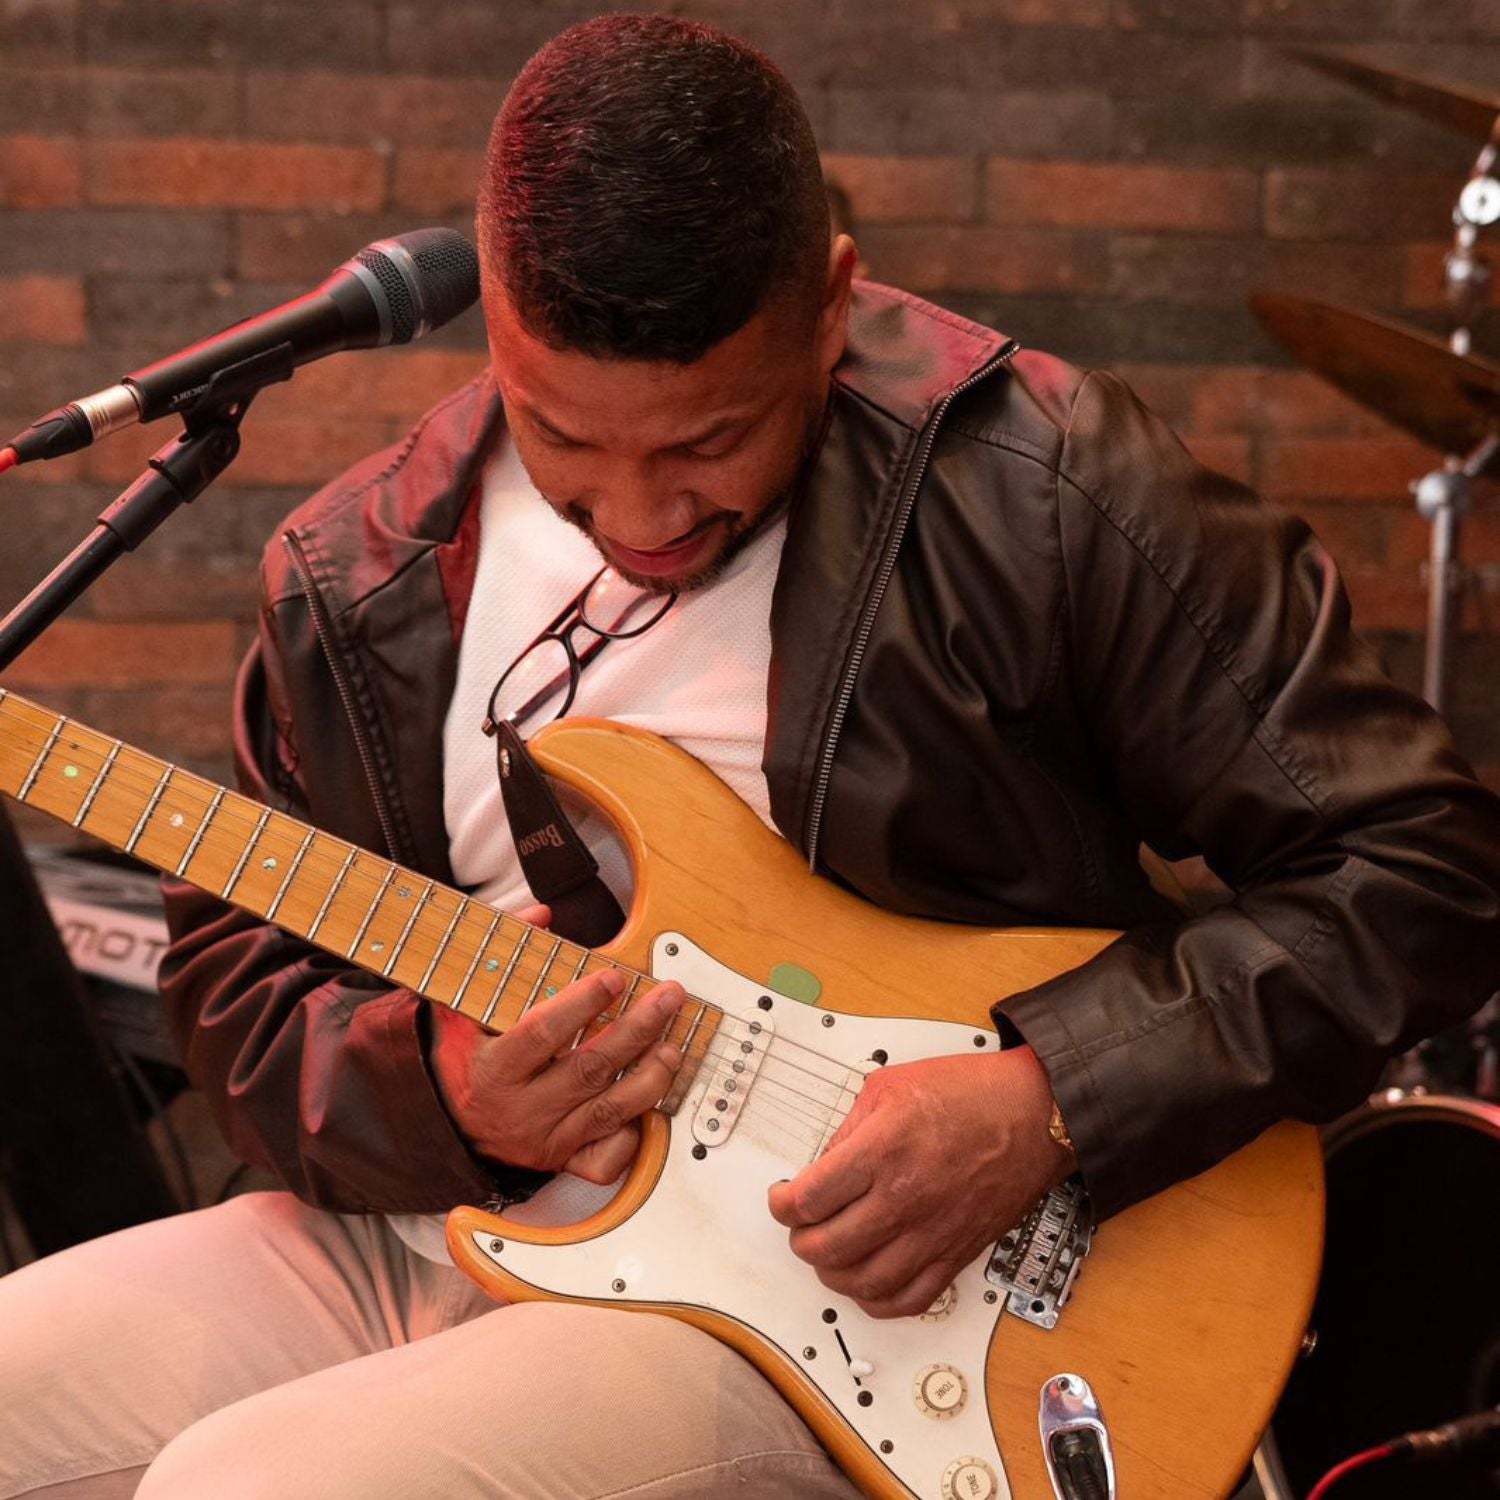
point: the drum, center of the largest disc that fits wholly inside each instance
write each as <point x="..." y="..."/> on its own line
<point x="1407" y="1315"/>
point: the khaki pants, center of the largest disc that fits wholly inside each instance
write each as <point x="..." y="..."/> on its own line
<point x="263" y="1350"/>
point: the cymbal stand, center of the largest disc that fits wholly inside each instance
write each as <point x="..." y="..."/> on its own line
<point x="1443" y="495"/>
<point x="1443" y="500"/>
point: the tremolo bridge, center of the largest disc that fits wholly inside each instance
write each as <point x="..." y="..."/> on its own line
<point x="1037" y="1262"/>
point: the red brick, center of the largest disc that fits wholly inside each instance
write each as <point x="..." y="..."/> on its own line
<point x="95" y="654"/>
<point x="436" y="181"/>
<point x="1075" y="195"/>
<point x="1356" y="203"/>
<point x="188" y="725"/>
<point x="150" y="586"/>
<point x="1345" y="468"/>
<point x="200" y="174"/>
<point x="42" y="310"/>
<point x="1225" y="455"/>
<point x="983" y="260"/>
<point x="372" y="384"/>
<point x="353" y="109"/>
<point x="306" y="247"/>
<point x="39" y="172"/>
<point x="906" y="189"/>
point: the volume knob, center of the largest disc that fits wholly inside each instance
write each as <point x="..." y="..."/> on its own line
<point x="941" y="1391"/>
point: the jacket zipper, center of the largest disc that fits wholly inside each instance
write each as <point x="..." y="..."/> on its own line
<point x="341" y="682"/>
<point x="877" y="593"/>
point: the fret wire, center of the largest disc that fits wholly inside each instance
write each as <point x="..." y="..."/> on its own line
<point x="40" y="761"/>
<point x="510" y="969"/>
<point x="687" y="1041"/>
<point x="463" y="984"/>
<point x="145" y="818"/>
<point x="364" y="927"/>
<point x="202" y="828"/>
<point x="541" y="975"/>
<point x="244" y="859"/>
<point x="93" y="791"/>
<point x="583" y="958"/>
<point x="437" y="953"/>
<point x="416" y="911"/>
<point x="291" y="874"/>
<point x="629" y="994"/>
<point x="333" y="891"/>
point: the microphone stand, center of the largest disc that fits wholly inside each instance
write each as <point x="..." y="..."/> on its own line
<point x="175" y="475"/>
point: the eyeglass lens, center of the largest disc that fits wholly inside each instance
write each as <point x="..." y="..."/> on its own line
<point x="546" y="674"/>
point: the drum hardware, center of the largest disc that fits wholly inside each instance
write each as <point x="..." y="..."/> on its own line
<point x="1394" y="370"/>
<point x="1407" y="1317"/>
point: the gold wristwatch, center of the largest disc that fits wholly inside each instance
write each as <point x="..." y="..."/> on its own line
<point x="1057" y="1128"/>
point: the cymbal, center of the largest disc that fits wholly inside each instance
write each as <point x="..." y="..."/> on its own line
<point x="1450" y="401"/>
<point x="1471" y="114"/>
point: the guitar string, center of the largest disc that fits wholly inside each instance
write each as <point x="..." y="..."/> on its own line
<point x="218" y="837"/>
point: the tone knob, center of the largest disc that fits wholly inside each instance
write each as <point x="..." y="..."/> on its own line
<point x="941" y="1392"/>
<point x="969" y="1479"/>
<point x="940" y="1309"/>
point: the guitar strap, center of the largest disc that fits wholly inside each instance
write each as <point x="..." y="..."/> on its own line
<point x="556" y="862"/>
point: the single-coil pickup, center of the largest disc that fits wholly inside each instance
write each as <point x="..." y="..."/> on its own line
<point x="739" y="1049"/>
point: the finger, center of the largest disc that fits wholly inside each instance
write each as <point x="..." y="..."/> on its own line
<point x="852" y="1235"/>
<point x="637" y="1091"/>
<point x="838" y="1177"/>
<point x="531" y="1044"/>
<point x="622" y="1042"/>
<point x="912" y="1297"/>
<point x="603" y="1160"/>
<point x="534" y="916"/>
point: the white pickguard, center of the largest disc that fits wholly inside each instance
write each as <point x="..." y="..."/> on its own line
<point x="704" y="1238"/>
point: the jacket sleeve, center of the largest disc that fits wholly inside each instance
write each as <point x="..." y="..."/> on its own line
<point x="1237" y="716"/>
<point x="315" y="1070"/>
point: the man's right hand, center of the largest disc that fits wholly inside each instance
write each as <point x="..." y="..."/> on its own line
<point x="529" y="1098"/>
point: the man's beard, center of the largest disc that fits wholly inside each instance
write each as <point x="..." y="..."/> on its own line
<point x="739" y="532"/>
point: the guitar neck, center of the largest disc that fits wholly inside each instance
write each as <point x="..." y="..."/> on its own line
<point x="390" y="921"/>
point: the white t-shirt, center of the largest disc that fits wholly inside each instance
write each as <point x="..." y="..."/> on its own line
<point x="697" y="677"/>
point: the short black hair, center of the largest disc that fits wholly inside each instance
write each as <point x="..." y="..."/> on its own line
<point x="650" y="184"/>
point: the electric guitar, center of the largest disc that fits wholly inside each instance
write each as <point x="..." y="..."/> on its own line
<point x="1141" y="1358"/>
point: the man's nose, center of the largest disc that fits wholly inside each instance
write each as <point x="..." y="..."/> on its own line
<point x="641" y="508"/>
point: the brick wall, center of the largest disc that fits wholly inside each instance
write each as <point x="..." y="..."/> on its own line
<point x="1103" y="178"/>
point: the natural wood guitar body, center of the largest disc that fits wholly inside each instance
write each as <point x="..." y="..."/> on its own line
<point x="1189" y="1309"/>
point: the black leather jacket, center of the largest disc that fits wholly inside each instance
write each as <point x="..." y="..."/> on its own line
<point x="1017" y="632"/>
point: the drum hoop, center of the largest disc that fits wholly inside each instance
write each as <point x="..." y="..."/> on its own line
<point x="1399" y="1104"/>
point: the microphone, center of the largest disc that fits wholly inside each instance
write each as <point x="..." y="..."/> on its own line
<point x="391" y="292"/>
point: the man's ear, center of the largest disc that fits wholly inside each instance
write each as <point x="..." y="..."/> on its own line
<point x="833" y="318"/>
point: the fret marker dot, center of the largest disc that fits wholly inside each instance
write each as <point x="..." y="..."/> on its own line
<point x="175" y="820"/>
<point x="268" y="864"/>
<point x="404" y="892"/>
<point x="551" y="990"/>
<point x="71" y="772"/>
<point x="491" y="965"/>
<point x="377" y="947"/>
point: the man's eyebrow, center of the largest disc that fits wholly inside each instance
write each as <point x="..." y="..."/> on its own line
<point x="715" y="429"/>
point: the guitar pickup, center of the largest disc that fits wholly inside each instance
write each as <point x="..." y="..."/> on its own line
<point x="739" y="1048"/>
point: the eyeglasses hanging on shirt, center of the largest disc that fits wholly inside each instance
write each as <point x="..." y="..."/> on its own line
<point x="557" y="864"/>
<point x="607" y="606"/>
